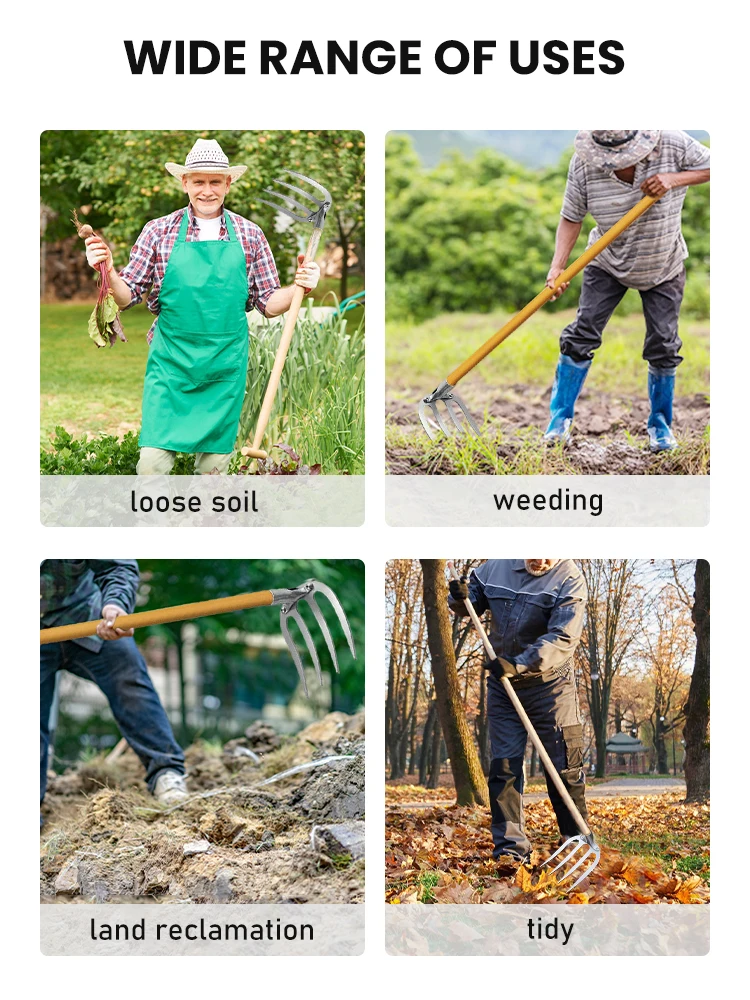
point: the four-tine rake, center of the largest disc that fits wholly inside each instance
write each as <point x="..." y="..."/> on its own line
<point x="288" y="600"/>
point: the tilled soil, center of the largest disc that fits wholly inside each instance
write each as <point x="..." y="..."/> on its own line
<point x="295" y="840"/>
<point x="609" y="432"/>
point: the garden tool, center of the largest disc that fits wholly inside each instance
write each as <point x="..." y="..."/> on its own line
<point x="576" y="850"/>
<point x="317" y="216"/>
<point x="446" y="391"/>
<point x="288" y="600"/>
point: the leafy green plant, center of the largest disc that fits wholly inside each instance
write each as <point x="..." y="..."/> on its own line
<point x="104" y="455"/>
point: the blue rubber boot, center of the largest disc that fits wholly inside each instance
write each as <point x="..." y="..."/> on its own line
<point x="569" y="378"/>
<point x="661" y="394"/>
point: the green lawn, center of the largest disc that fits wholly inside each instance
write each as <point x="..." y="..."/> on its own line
<point x="421" y="355"/>
<point x="85" y="388"/>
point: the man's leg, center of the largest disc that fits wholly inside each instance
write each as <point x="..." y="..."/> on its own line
<point x="508" y="746"/>
<point x="120" y="671"/>
<point x="600" y="296"/>
<point x="49" y="663"/>
<point x="553" y="710"/>
<point x="206" y="462"/>
<point x="661" y="309"/>
<point x="155" y="462"/>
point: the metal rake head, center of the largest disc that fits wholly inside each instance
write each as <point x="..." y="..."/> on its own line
<point x="457" y="410"/>
<point x="574" y="846"/>
<point x="289" y="601"/>
<point x="315" y="208"/>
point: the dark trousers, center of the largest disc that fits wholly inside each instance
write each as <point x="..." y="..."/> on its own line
<point x="119" y="670"/>
<point x="552" y="707"/>
<point x="600" y="296"/>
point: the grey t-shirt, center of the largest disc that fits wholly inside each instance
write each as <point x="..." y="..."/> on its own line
<point x="653" y="249"/>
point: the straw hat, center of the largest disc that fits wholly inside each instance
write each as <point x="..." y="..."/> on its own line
<point x="206" y="157"/>
<point x="616" y="149"/>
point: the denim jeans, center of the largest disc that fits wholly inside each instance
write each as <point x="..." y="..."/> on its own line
<point x="552" y="707"/>
<point x="600" y="296"/>
<point x="119" y="671"/>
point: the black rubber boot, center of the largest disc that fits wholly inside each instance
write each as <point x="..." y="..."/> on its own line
<point x="506" y="803"/>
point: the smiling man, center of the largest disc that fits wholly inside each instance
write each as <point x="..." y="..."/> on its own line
<point x="203" y="268"/>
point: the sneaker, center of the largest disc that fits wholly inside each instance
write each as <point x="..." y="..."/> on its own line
<point x="170" y="788"/>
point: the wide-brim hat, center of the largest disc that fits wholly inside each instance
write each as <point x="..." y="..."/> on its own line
<point x="206" y="157"/>
<point x="616" y="149"/>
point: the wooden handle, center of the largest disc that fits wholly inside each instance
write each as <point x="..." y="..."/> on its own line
<point x="283" y="349"/>
<point x="549" y="767"/>
<point x="161" y="616"/>
<point x="546" y="294"/>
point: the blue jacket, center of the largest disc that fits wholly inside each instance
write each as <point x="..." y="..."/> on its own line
<point x="76" y="590"/>
<point x="537" y="621"/>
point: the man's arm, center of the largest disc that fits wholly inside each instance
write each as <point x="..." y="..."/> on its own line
<point x="117" y="579"/>
<point x="659" y="184"/>
<point x="97" y="252"/>
<point x="567" y="234"/>
<point x="307" y="277"/>
<point x="563" y="634"/>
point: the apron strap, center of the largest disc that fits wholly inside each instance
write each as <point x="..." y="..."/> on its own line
<point x="230" y="228"/>
<point x="182" y="235"/>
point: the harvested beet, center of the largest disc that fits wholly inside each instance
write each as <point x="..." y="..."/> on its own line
<point x="105" y="326"/>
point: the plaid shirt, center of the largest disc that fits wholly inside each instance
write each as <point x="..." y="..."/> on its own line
<point x="76" y="590"/>
<point x="150" y="254"/>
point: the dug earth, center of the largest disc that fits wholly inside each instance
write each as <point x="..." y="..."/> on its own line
<point x="249" y="833"/>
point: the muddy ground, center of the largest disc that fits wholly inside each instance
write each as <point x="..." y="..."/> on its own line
<point x="299" y="839"/>
<point x="609" y="433"/>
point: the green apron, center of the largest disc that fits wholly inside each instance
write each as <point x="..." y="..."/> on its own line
<point x="197" y="363"/>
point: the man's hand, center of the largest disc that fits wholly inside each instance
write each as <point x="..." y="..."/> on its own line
<point x="98" y="251"/>
<point x="459" y="589"/>
<point x="106" y="627"/>
<point x="503" y="667"/>
<point x="308" y="275"/>
<point x="554" y="274"/>
<point x="658" y="185"/>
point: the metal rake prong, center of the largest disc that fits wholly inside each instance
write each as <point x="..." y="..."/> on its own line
<point x="322" y="588"/>
<point x="293" y="650"/>
<point x="293" y="613"/>
<point x="457" y="409"/>
<point x="425" y="423"/>
<point x="438" y="416"/>
<point x="577" y="843"/>
<point x="288" y="198"/>
<point x="293" y="187"/>
<point x="323" y="625"/>
<point x="308" y="180"/>
<point x="283" y="210"/>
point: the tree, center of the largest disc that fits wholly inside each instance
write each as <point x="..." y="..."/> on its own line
<point x="613" y="619"/>
<point x="471" y="787"/>
<point x="405" y="662"/>
<point x="696" y="730"/>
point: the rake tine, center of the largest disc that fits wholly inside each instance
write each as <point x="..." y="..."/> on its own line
<point x="323" y="625"/>
<point x="293" y="651"/>
<point x="287" y="198"/>
<point x="293" y="613"/>
<point x="326" y="591"/>
<point x="577" y="843"/>
<point x="284" y="211"/>
<point x="308" y="180"/>
<point x="425" y="423"/>
<point x="449" y="405"/>
<point x="465" y="410"/>
<point x="441" y="423"/>
<point x="292" y="187"/>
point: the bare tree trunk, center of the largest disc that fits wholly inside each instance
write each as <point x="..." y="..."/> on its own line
<point x="468" y="778"/>
<point x="697" y="742"/>
<point x="424" y="754"/>
<point x="436" y="756"/>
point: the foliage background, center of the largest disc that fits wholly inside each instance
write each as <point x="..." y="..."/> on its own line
<point x="476" y="232"/>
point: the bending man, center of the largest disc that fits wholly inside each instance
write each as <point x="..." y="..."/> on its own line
<point x="610" y="172"/>
<point x="537" y="608"/>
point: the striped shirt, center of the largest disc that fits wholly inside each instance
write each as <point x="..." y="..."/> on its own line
<point x="150" y="255"/>
<point x="653" y="249"/>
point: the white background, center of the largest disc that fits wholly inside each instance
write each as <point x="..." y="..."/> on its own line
<point x="65" y="67"/>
